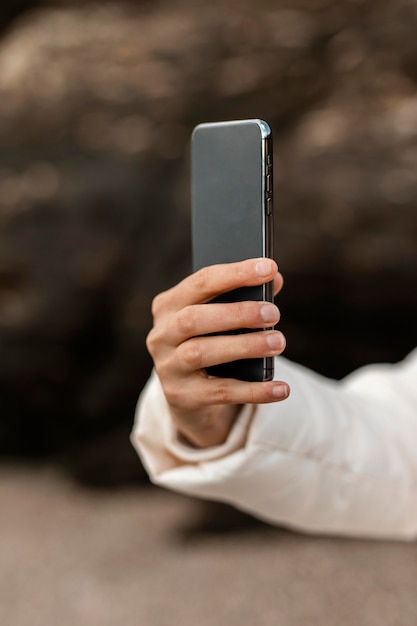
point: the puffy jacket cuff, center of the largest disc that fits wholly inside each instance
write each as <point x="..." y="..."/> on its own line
<point x="160" y="445"/>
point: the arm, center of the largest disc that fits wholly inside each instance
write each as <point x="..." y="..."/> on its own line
<point x="336" y="458"/>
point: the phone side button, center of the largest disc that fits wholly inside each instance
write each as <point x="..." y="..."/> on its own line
<point x="269" y="207"/>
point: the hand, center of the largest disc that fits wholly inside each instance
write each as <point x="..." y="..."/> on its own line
<point x="204" y="408"/>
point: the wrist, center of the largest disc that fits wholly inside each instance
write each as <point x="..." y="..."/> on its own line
<point x="207" y="429"/>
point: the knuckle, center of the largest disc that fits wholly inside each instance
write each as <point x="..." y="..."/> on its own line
<point x="241" y="313"/>
<point x="253" y="395"/>
<point x="165" y="368"/>
<point x="201" y="279"/>
<point x="222" y="393"/>
<point x="241" y="271"/>
<point x="172" y="393"/>
<point x="256" y="346"/>
<point x="256" y="315"/>
<point x="155" y="341"/>
<point x="191" y="354"/>
<point x="186" y="321"/>
<point x="151" y="342"/>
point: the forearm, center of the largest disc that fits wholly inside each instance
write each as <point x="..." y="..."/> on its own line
<point x="334" y="458"/>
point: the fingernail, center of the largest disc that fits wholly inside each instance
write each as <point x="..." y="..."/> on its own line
<point x="269" y="312"/>
<point x="275" y="341"/>
<point x="281" y="391"/>
<point x="263" y="268"/>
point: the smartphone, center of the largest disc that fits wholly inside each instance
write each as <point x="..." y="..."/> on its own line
<point x="232" y="214"/>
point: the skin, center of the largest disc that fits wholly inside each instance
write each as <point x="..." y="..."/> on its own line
<point x="202" y="407"/>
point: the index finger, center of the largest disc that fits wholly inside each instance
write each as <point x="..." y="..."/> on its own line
<point x="211" y="281"/>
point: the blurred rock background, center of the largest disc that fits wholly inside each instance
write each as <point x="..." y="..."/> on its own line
<point x="97" y="102"/>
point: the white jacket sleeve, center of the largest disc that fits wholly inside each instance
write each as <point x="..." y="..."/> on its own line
<point x="335" y="457"/>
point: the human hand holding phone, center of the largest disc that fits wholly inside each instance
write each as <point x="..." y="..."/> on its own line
<point x="184" y="342"/>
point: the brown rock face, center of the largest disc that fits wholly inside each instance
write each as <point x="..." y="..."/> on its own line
<point x="97" y="104"/>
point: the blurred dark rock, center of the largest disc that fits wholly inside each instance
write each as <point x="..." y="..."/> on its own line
<point x="10" y="10"/>
<point x="97" y="104"/>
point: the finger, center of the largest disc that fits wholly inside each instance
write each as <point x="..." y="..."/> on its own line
<point x="228" y="391"/>
<point x="201" y="352"/>
<point x="208" y="282"/>
<point x="278" y="283"/>
<point x="204" y="319"/>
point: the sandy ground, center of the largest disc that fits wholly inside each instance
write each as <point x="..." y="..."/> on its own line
<point x="73" y="557"/>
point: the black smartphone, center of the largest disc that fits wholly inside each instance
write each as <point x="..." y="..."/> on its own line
<point x="232" y="213"/>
